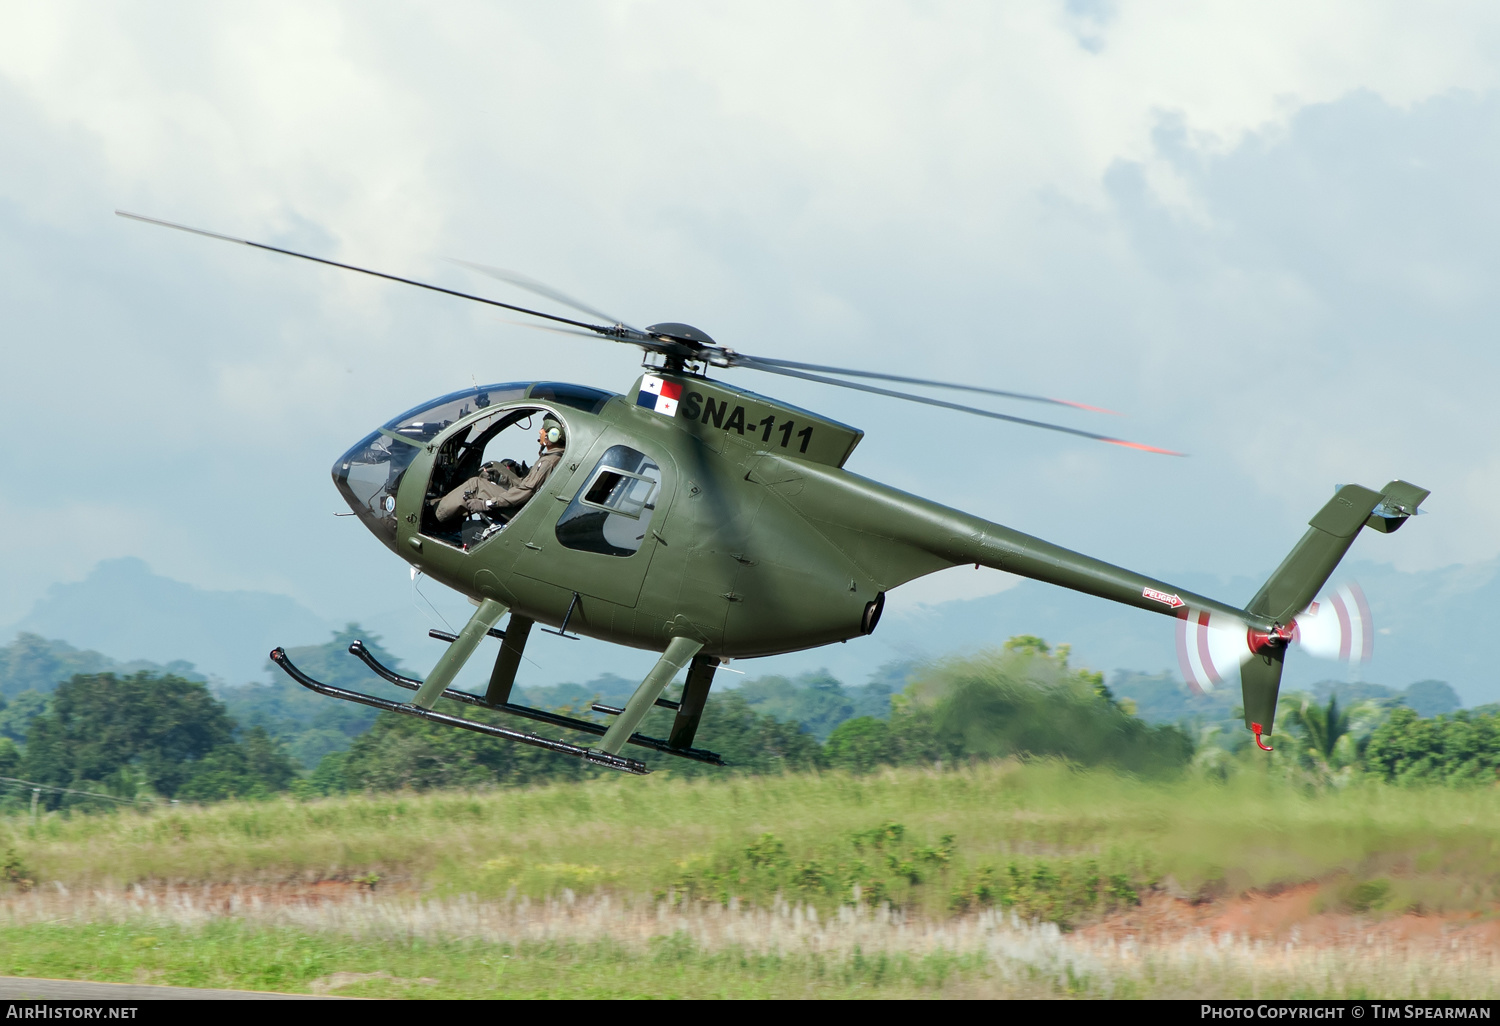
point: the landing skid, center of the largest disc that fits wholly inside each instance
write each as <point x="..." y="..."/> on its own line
<point x="593" y="755"/>
<point x="542" y="715"/>
<point x="619" y="762"/>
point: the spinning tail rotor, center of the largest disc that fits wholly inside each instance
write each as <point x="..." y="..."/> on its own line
<point x="1339" y="628"/>
<point x="1212" y="646"/>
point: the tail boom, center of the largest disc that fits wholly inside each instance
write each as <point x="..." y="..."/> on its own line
<point x="893" y="537"/>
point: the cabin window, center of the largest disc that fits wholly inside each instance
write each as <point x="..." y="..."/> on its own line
<point x="611" y="514"/>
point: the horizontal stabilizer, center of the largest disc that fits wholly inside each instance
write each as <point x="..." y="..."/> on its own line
<point x="1399" y="504"/>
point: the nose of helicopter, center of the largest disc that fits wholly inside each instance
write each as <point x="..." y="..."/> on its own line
<point x="369" y="475"/>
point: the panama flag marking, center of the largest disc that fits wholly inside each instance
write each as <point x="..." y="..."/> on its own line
<point x="659" y="395"/>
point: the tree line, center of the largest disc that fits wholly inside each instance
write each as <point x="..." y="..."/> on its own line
<point x="159" y="735"/>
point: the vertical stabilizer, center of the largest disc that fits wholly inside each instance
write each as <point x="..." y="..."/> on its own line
<point x="1307" y="567"/>
<point x="1289" y="591"/>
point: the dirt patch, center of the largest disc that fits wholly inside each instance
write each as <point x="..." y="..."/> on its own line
<point x="231" y="897"/>
<point x="1290" y="916"/>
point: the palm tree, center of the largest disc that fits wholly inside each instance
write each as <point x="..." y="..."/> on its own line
<point x="1321" y="726"/>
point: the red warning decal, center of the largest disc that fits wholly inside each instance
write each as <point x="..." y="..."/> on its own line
<point x="1163" y="597"/>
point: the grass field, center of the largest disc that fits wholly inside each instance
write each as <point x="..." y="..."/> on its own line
<point x="991" y="880"/>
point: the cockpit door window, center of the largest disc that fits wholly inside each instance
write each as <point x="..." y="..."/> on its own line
<point x="473" y="452"/>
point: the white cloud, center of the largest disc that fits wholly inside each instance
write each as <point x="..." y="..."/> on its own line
<point x="858" y="180"/>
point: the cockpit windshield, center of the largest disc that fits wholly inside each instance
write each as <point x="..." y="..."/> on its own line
<point x="369" y="474"/>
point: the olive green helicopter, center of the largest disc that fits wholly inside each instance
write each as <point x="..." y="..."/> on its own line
<point x="706" y="522"/>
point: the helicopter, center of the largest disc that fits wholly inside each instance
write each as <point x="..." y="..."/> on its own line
<point x="693" y="518"/>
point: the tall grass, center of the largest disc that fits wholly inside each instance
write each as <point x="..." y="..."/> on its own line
<point x="574" y="947"/>
<point x="966" y="881"/>
<point x="1435" y="848"/>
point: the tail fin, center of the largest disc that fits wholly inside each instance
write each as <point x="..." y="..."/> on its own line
<point x="1305" y="570"/>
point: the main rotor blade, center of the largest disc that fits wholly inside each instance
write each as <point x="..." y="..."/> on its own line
<point x="600" y="329"/>
<point x="644" y="341"/>
<point x="756" y="364"/>
<point x="547" y="327"/>
<point x="520" y="281"/>
<point x="934" y="384"/>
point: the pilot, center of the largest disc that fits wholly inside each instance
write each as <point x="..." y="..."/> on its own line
<point x="503" y="488"/>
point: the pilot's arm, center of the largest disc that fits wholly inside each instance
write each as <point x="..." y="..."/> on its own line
<point x="521" y="492"/>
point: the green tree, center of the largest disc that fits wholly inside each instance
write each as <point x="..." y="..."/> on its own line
<point x="1026" y="700"/>
<point x="141" y="733"/>
<point x="1431" y="697"/>
<point x="1320" y="726"/>
<point x="1462" y="748"/>
<point x="10" y="757"/>
<point x="34" y="663"/>
<point x="256" y="767"/>
<point x="17" y="714"/>
<point x="860" y="745"/>
<point x="326" y="778"/>
<point x="403" y="752"/>
<point x="817" y="701"/>
<point x="1027" y="643"/>
<point x="750" y="742"/>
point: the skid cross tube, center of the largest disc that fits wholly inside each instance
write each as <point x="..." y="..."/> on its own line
<point x="618" y="762"/>
<point x="438" y="635"/>
<point x="541" y="715"/>
<point x="615" y="710"/>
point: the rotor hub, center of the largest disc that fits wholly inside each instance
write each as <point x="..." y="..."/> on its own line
<point x="1261" y="642"/>
<point x="674" y="331"/>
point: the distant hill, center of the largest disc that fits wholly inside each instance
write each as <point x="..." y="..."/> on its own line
<point x="1164" y="698"/>
<point x="125" y="609"/>
<point x="312" y="725"/>
<point x="31" y="668"/>
<point x="34" y="663"/>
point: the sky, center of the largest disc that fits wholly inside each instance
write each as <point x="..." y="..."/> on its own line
<point x="1267" y="234"/>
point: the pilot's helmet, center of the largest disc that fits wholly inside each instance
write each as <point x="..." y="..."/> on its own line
<point x="553" y="429"/>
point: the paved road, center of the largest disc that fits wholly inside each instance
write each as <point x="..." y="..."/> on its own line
<point x="16" y="988"/>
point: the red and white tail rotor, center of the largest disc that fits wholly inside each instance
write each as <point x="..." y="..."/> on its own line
<point x="1340" y="627"/>
<point x="1211" y="647"/>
